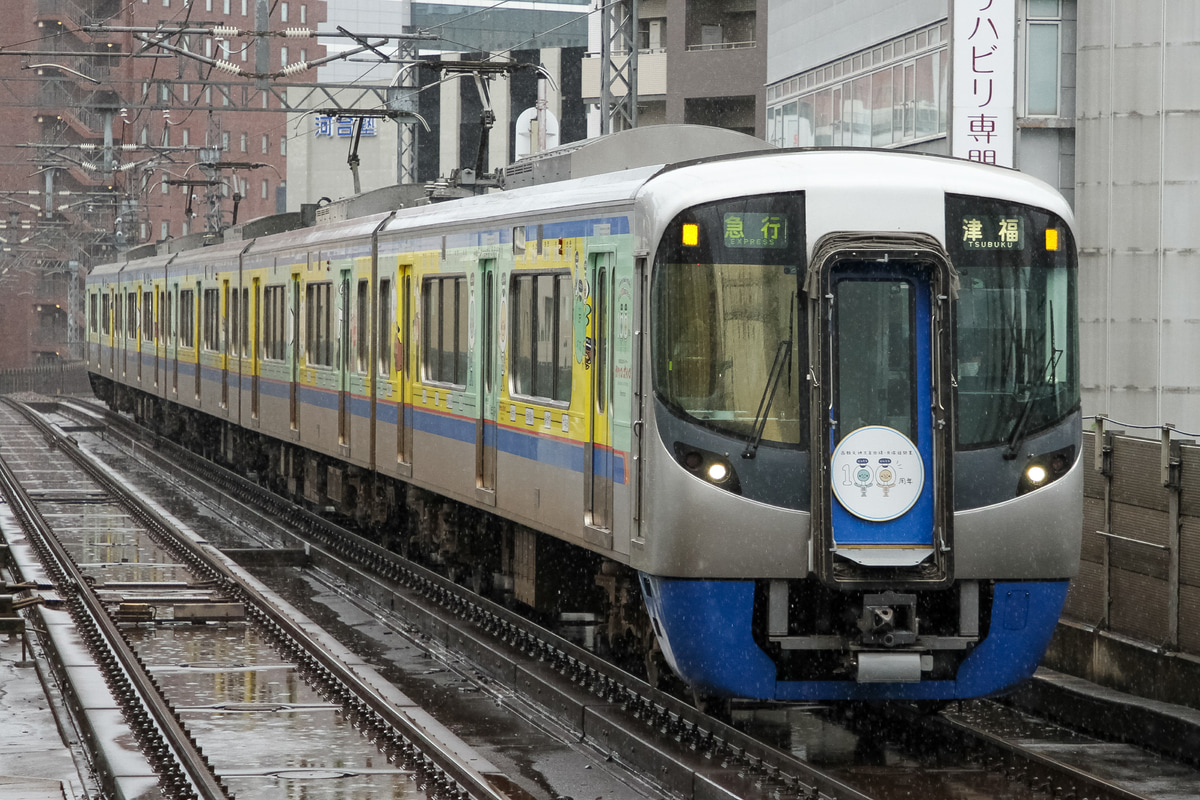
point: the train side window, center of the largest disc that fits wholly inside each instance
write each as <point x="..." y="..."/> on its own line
<point x="93" y="304"/>
<point x="235" y="329"/>
<point x="245" y="320"/>
<point x="319" y="318"/>
<point x="105" y="314"/>
<point x="385" y="327"/>
<point x="131" y="317"/>
<point x="362" y="328"/>
<point x="444" y="335"/>
<point x="187" y="318"/>
<point x="212" y="320"/>
<point x="148" y="316"/>
<point x="541" y="335"/>
<point x="274" y="314"/>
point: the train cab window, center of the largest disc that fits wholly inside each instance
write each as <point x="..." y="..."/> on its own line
<point x="542" y="337"/>
<point x="187" y="318"/>
<point x="384" y="328"/>
<point x="1017" y="358"/>
<point x="274" y="315"/>
<point x="444" y="334"/>
<point x="319" y="321"/>
<point x="212" y="320"/>
<point x="728" y="327"/>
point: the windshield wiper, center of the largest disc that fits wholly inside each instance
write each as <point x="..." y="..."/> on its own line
<point x="1018" y="432"/>
<point x="783" y="357"/>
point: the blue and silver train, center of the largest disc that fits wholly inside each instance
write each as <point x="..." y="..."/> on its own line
<point x="819" y="408"/>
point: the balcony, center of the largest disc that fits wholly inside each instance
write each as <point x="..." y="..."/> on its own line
<point x="652" y="74"/>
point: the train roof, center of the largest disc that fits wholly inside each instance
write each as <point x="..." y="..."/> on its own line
<point x="895" y="179"/>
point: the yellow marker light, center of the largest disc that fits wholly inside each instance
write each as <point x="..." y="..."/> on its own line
<point x="1036" y="474"/>
<point x="1051" y="238"/>
<point x="718" y="472"/>
<point x="691" y="234"/>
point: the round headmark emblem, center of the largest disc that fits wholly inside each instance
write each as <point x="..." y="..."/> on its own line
<point x="877" y="473"/>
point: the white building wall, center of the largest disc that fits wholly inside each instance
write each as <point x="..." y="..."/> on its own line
<point x="807" y="33"/>
<point x="1138" y="185"/>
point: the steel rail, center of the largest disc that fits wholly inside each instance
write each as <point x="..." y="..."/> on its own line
<point x="663" y="715"/>
<point x="189" y="773"/>
<point x="457" y="778"/>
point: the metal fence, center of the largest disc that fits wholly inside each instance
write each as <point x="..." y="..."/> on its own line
<point x="1139" y="575"/>
<point x="69" y="377"/>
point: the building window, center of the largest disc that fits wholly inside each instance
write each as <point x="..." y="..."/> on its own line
<point x="266" y="143"/>
<point x="283" y="12"/>
<point x="243" y="142"/>
<point x="283" y="145"/>
<point x="283" y="54"/>
<point x="303" y="15"/>
<point x="166" y="228"/>
<point x="264" y="189"/>
<point x="187" y="137"/>
<point x="881" y="97"/>
<point x="226" y="6"/>
<point x="225" y="141"/>
<point x="1042" y="57"/>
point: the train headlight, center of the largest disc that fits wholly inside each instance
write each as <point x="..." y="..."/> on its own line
<point x="1045" y="468"/>
<point x="710" y="467"/>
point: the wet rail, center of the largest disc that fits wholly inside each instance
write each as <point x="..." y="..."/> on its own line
<point x="689" y="753"/>
<point x="319" y="721"/>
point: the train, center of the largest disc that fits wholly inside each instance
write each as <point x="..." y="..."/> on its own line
<point x="798" y="425"/>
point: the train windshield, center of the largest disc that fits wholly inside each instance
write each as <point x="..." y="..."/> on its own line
<point x="728" y="325"/>
<point x="1017" y="349"/>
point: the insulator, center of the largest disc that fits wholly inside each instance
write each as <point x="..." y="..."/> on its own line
<point x="292" y="69"/>
<point x="225" y="31"/>
<point x="298" y="33"/>
<point x="228" y="66"/>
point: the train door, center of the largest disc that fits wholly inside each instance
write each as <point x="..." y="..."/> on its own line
<point x="255" y="346"/>
<point x="882" y="341"/>
<point x="139" y="312"/>
<point x="294" y="352"/>
<point x="227" y="322"/>
<point x="485" y="437"/>
<point x="174" y="323"/>
<point x="404" y="361"/>
<point x="344" y="356"/>
<point x="197" y="341"/>
<point x="598" y="456"/>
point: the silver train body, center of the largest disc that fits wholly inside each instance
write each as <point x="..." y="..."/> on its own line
<point x="825" y="403"/>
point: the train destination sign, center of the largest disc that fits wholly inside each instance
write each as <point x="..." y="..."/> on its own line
<point x="990" y="232"/>
<point x="755" y="229"/>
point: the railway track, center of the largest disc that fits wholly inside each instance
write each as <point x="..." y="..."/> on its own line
<point x="430" y="764"/>
<point x="690" y="754"/>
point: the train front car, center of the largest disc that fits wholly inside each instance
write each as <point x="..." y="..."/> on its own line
<point x="861" y="472"/>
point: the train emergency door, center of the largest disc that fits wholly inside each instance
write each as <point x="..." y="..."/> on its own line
<point x="486" y="432"/>
<point x="881" y="420"/>
<point x="598" y="455"/>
